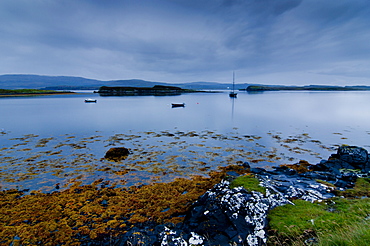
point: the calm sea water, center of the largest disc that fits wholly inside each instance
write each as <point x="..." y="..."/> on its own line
<point x="62" y="132"/>
<point x="320" y="112"/>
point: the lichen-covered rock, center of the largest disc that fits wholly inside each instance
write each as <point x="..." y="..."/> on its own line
<point x="117" y="153"/>
<point x="224" y="216"/>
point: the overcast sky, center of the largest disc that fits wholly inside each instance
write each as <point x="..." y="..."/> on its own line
<point x="263" y="41"/>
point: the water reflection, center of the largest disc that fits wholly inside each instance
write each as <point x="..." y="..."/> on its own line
<point x="61" y="139"/>
<point x="36" y="162"/>
<point x="232" y="99"/>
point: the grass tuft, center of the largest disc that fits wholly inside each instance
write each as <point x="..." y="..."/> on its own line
<point x="249" y="182"/>
<point x="339" y="221"/>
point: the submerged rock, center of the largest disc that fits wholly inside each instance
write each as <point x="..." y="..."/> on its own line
<point x="117" y="153"/>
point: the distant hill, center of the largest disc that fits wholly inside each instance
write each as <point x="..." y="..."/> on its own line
<point x="22" y="81"/>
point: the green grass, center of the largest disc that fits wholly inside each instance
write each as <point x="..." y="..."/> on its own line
<point x="339" y="221"/>
<point x="362" y="188"/>
<point x="352" y="235"/>
<point x="24" y="91"/>
<point x="249" y="182"/>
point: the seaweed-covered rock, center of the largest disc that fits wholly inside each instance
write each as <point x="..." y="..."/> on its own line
<point x="117" y="153"/>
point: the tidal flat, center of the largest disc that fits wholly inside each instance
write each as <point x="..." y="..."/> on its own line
<point x="60" y="189"/>
<point x="42" y="163"/>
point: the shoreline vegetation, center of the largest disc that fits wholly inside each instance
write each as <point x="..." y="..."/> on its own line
<point x="260" y="88"/>
<point x="31" y="92"/>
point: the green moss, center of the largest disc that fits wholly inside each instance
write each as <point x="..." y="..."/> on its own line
<point x="249" y="182"/>
<point x="339" y="219"/>
<point x="361" y="188"/>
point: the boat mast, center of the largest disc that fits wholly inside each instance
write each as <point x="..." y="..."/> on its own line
<point x="233" y="80"/>
<point x="233" y="94"/>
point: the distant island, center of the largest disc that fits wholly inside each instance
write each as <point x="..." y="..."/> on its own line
<point x="17" y="81"/>
<point x="30" y="92"/>
<point x="257" y="88"/>
<point x="60" y="83"/>
<point x="157" y="90"/>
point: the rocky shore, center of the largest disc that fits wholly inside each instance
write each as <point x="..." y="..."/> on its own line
<point x="237" y="216"/>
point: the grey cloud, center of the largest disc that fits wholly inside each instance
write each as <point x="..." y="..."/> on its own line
<point x="183" y="39"/>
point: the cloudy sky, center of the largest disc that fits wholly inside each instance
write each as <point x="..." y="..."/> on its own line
<point x="263" y="41"/>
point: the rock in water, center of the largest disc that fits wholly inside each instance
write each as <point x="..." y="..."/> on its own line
<point x="354" y="155"/>
<point x="117" y="153"/>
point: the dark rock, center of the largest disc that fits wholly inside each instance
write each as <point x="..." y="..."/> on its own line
<point x="366" y="168"/>
<point x="258" y="170"/>
<point x="341" y="183"/>
<point x="224" y="216"/>
<point x="286" y="170"/>
<point x="246" y="164"/>
<point x="327" y="176"/>
<point x="117" y="153"/>
<point x="232" y="174"/>
<point x="354" y="155"/>
<point x="321" y="167"/>
<point x="337" y="164"/>
<point x="347" y="157"/>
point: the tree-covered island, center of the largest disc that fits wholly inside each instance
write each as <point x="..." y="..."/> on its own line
<point x="157" y="90"/>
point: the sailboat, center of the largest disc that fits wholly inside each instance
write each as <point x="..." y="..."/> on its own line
<point x="233" y="93"/>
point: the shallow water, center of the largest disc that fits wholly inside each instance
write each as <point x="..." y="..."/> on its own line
<point x="57" y="139"/>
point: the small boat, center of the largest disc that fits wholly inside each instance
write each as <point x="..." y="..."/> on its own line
<point x="177" y="105"/>
<point x="233" y="93"/>
<point x="89" y="100"/>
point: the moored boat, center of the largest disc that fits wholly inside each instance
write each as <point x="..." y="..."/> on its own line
<point x="176" y="105"/>
<point x="89" y="100"/>
<point x="233" y="94"/>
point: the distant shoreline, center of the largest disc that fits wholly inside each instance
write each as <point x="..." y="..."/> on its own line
<point x="261" y="88"/>
<point x="35" y="94"/>
<point x="31" y="92"/>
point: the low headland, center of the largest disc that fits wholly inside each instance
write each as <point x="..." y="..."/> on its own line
<point x="30" y="92"/>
